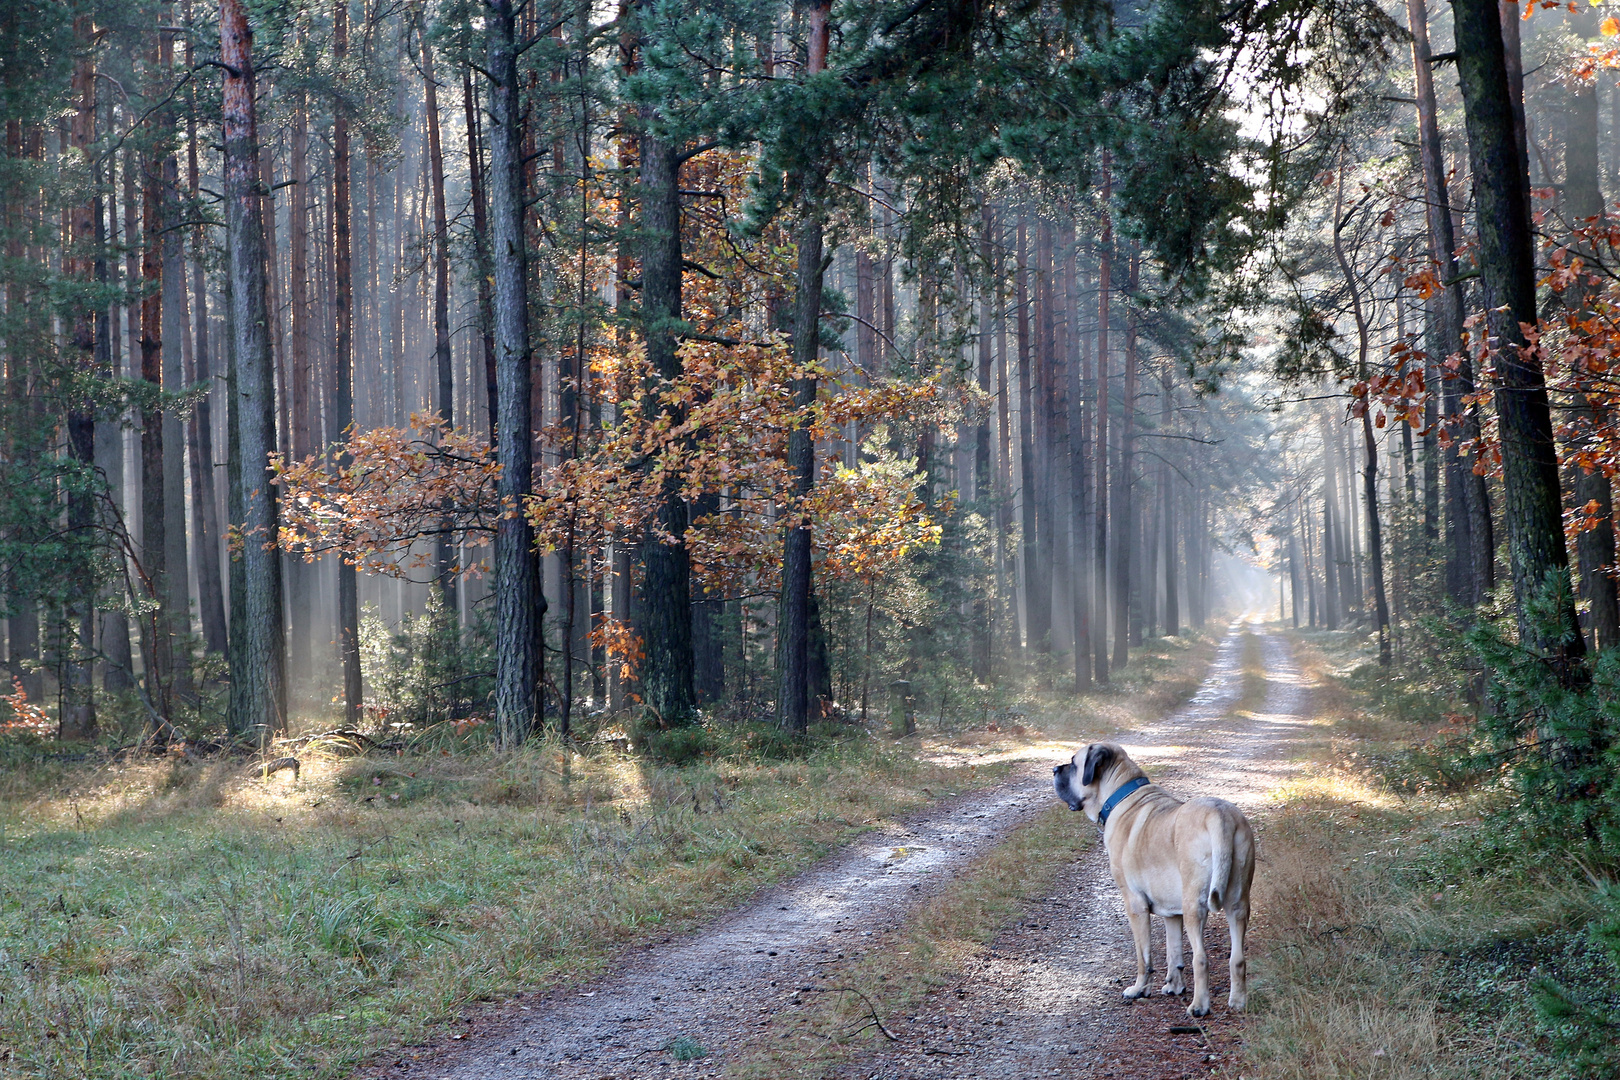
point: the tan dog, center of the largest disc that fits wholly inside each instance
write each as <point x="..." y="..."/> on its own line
<point x="1178" y="860"/>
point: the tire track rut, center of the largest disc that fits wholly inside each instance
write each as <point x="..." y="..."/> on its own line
<point x="1043" y="1002"/>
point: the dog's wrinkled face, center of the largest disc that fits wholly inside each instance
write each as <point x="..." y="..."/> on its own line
<point x="1079" y="782"/>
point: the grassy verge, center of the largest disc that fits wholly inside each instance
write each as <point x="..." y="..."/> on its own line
<point x="195" y="919"/>
<point x="1400" y="928"/>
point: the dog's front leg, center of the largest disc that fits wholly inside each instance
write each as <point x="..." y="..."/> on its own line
<point x="1174" y="983"/>
<point x="1141" y="930"/>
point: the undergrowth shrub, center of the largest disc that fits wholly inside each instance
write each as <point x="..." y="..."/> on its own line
<point x="429" y="670"/>
<point x="1540" y="755"/>
<point x="1554" y="735"/>
<point x="1584" y="1024"/>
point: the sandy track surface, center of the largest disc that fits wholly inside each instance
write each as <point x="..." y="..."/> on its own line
<point x="1043" y="1001"/>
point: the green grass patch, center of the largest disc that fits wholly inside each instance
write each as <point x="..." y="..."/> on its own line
<point x="183" y="919"/>
<point x="1402" y="924"/>
<point x="179" y="918"/>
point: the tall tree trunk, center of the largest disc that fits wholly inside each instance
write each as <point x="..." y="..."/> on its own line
<point x="1099" y="558"/>
<point x="1330" y="593"/>
<point x="343" y="364"/>
<point x="200" y="429"/>
<point x="983" y="621"/>
<point x="1172" y="603"/>
<point x="118" y="674"/>
<point x="443" y="401"/>
<point x="1037" y="618"/>
<point x="619" y="563"/>
<point x="667" y="616"/>
<point x="156" y="637"/>
<point x="1469" y="552"/>
<point x="1006" y="598"/>
<point x="1059" y="449"/>
<point x="1079" y="484"/>
<point x="1124" y="509"/>
<point x="517" y="706"/>
<point x="298" y="391"/>
<point x="1370" y="475"/>
<point x="77" y="717"/>
<point x="1537" y="554"/>
<point x="475" y="172"/>
<point x="176" y="560"/>
<point x="793" y="700"/>
<point x="1583" y="201"/>
<point x="258" y="662"/>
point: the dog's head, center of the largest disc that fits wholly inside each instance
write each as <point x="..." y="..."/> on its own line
<point x="1093" y="774"/>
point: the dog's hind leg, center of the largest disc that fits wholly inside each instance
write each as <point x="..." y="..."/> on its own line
<point x="1141" y="930"/>
<point x="1174" y="982"/>
<point x="1193" y="913"/>
<point x="1237" y="918"/>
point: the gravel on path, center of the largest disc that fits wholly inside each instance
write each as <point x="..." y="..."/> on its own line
<point x="1043" y="1001"/>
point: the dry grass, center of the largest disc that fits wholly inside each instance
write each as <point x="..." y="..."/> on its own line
<point x="1379" y="913"/>
<point x="194" y="919"/>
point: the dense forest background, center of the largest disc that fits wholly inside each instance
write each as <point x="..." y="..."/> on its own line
<point x="487" y="484"/>
<point x="535" y="364"/>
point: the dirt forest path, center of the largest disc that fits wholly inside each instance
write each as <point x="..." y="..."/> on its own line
<point x="1044" y="1001"/>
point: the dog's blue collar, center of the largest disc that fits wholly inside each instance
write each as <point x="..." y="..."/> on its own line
<point x="1124" y="792"/>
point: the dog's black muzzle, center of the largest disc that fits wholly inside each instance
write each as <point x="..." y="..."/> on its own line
<point x="1062" y="778"/>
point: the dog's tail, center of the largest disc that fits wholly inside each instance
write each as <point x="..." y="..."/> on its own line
<point x="1220" y="863"/>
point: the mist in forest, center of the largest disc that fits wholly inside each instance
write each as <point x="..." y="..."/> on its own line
<point x="384" y="363"/>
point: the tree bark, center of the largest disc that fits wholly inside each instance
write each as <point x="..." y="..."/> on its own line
<point x="1583" y="202"/>
<point x="298" y="391"/>
<point x="475" y="172"/>
<point x="1469" y="552"/>
<point x="794" y="629"/>
<point x="1060" y="512"/>
<point x="1080" y="487"/>
<point x="1124" y="511"/>
<point x="1037" y="617"/>
<point x="343" y="364"/>
<point x="77" y="716"/>
<point x="1370" y="475"/>
<point x="443" y="401"/>
<point x="156" y="638"/>
<point x="667" y="568"/>
<point x="200" y="429"/>
<point x="1537" y="555"/>
<point x="1099" y="558"/>
<point x="258" y="662"/>
<point x="176" y="557"/>
<point x="1172" y="602"/>
<point x="518" y="601"/>
<point x="983" y="621"/>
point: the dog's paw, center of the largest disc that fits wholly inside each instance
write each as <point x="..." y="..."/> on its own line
<point x="1173" y="987"/>
<point x="1198" y="1009"/>
<point x="1237" y="1002"/>
<point x="1131" y="993"/>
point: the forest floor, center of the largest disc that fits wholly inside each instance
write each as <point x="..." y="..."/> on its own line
<point x="188" y="916"/>
<point x="981" y="938"/>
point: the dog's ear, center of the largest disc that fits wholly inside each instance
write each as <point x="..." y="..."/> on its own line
<point x="1098" y="758"/>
